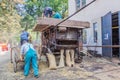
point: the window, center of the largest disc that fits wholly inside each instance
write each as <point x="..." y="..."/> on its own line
<point x="83" y="3"/>
<point x="80" y="3"/>
<point x="77" y="4"/>
<point x="84" y="36"/>
<point x="95" y="32"/>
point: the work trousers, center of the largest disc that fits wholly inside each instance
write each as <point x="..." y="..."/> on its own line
<point x="31" y="58"/>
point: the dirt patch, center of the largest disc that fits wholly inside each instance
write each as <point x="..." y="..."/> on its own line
<point x="73" y="73"/>
<point x="93" y="69"/>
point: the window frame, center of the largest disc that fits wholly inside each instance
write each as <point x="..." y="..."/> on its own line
<point x="95" y="32"/>
<point x="83" y="3"/>
<point x="84" y="36"/>
<point x="77" y="3"/>
<point x="80" y="4"/>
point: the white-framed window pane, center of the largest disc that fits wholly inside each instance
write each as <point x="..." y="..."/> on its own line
<point x="95" y="32"/>
<point x="83" y="2"/>
<point x="77" y="4"/>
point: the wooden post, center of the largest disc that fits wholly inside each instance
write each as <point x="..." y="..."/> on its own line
<point x="79" y="43"/>
<point x="11" y="54"/>
<point x="55" y="37"/>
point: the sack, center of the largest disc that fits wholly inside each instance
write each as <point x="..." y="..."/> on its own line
<point x="68" y="58"/>
<point x="52" y="61"/>
<point x="61" y="63"/>
<point x="72" y="57"/>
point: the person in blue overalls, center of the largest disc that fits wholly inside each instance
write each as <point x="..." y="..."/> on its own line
<point x="30" y="57"/>
<point x="24" y="36"/>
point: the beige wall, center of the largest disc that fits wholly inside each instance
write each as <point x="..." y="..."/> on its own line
<point x="93" y="13"/>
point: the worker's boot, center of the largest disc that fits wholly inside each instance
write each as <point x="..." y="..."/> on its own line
<point x="68" y="60"/>
<point x="52" y="61"/>
<point x="72" y="57"/>
<point x="61" y="63"/>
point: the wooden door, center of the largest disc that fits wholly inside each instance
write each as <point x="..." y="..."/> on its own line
<point x="107" y="34"/>
<point x="119" y="30"/>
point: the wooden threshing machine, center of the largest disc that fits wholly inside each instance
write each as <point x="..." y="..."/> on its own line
<point x="67" y="35"/>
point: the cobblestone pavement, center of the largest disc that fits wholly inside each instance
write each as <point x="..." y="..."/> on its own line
<point x="89" y="69"/>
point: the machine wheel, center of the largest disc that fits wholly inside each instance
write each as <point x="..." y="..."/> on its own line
<point x="15" y="63"/>
<point x="15" y="67"/>
<point x="11" y="55"/>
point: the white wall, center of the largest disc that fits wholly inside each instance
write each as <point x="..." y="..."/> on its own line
<point x="71" y="7"/>
<point x="95" y="10"/>
<point x="90" y="38"/>
<point x="93" y="13"/>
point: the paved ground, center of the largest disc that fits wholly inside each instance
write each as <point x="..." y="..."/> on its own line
<point x="4" y="57"/>
<point x="89" y="69"/>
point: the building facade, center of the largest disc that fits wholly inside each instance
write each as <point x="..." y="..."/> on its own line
<point x="104" y="18"/>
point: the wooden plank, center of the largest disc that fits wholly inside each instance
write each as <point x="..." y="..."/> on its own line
<point x="115" y="27"/>
<point x="104" y="46"/>
<point x="68" y="46"/>
<point x="66" y="39"/>
<point x="44" y="23"/>
<point x="65" y="46"/>
<point x="40" y="27"/>
<point x="53" y="21"/>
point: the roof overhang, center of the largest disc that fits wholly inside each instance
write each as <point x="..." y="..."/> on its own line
<point x="45" y="23"/>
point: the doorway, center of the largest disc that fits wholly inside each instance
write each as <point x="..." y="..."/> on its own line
<point x="115" y="34"/>
<point x="107" y="34"/>
<point x="111" y="34"/>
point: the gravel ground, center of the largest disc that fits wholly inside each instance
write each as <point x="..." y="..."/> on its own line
<point x="89" y="69"/>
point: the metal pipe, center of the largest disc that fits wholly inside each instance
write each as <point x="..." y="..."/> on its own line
<point x="75" y="13"/>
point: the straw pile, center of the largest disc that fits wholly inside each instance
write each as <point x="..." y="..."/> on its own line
<point x="75" y="73"/>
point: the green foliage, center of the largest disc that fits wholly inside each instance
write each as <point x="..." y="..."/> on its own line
<point x="9" y="20"/>
<point x="34" y="9"/>
<point x="27" y="22"/>
<point x="11" y="23"/>
<point x="60" y="6"/>
<point x="38" y="6"/>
